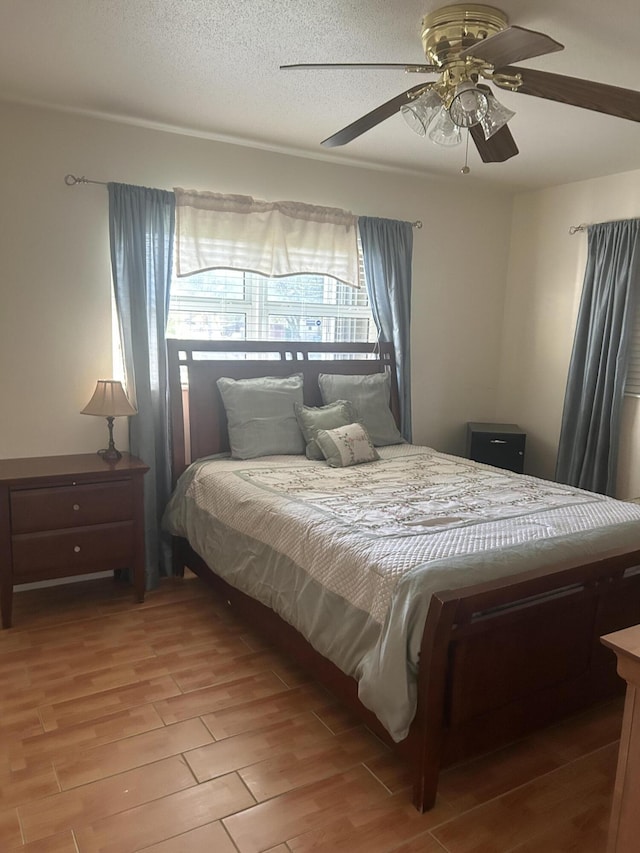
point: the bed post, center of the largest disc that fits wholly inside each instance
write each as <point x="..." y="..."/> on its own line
<point x="178" y="457"/>
<point x="432" y="683"/>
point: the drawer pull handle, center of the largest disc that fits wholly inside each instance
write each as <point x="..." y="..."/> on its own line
<point x="76" y="548"/>
<point x="76" y="507"/>
<point x="497" y="441"/>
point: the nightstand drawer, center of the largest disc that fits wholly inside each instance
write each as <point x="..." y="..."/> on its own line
<point x="70" y="506"/>
<point x="500" y="450"/>
<point x="61" y="554"/>
<point x="500" y="445"/>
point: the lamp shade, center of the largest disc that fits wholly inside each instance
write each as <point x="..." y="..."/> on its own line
<point x="497" y="116"/>
<point x="469" y="105"/>
<point x="109" y="400"/>
<point x="420" y="113"/>
<point x="443" y="131"/>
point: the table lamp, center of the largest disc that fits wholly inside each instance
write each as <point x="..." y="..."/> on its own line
<point x="109" y="401"/>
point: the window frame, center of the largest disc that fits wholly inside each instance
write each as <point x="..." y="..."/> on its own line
<point x="257" y="308"/>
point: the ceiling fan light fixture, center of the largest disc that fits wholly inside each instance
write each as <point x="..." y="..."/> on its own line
<point x="443" y="131"/>
<point x="420" y="113"/>
<point x="469" y="105"/>
<point x="497" y="116"/>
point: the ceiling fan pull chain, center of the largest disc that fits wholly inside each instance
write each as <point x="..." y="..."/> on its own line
<point x="465" y="169"/>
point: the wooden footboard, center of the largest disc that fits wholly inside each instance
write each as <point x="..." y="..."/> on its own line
<point x="503" y="659"/>
<point x="497" y="661"/>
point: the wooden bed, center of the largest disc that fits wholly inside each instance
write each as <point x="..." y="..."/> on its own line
<point x="497" y="660"/>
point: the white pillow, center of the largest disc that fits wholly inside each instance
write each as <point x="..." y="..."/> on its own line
<point x="346" y="445"/>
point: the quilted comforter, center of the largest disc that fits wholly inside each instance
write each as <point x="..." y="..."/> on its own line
<point x="351" y="556"/>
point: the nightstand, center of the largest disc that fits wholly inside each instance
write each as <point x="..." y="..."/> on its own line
<point x="62" y="516"/>
<point x="500" y="445"/>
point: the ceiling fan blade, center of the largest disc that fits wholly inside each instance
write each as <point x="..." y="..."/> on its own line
<point x="512" y="45"/>
<point x="599" y="97"/>
<point x="398" y="66"/>
<point x="498" y="148"/>
<point x="366" y="122"/>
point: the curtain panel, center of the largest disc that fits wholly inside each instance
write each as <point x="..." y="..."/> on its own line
<point x="215" y="231"/>
<point x="387" y="249"/>
<point x="141" y="230"/>
<point x="589" y="436"/>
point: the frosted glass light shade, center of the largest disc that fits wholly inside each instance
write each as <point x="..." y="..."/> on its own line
<point x="443" y="131"/>
<point x="497" y="116"/>
<point x="109" y="400"/>
<point x="469" y="105"/>
<point x="420" y="113"/>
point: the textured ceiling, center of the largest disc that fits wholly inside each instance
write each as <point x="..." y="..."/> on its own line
<point x="211" y="67"/>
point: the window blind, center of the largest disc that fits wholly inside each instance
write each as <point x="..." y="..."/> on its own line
<point x="632" y="386"/>
<point x="239" y="305"/>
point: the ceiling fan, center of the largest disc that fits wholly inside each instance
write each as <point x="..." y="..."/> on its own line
<point x="465" y="44"/>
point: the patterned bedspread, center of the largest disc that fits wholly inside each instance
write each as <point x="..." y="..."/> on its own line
<point x="351" y="556"/>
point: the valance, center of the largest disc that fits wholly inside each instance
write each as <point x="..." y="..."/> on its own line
<point x="215" y="231"/>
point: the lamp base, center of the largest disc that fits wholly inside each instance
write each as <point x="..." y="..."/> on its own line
<point x="110" y="454"/>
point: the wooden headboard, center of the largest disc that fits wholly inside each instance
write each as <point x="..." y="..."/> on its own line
<point x="198" y="419"/>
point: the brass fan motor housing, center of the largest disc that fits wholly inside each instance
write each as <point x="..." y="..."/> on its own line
<point x="451" y="29"/>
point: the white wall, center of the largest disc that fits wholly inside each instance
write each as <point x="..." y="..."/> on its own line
<point x="544" y="283"/>
<point x="55" y="310"/>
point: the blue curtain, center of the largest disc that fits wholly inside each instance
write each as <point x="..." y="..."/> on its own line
<point x="141" y="231"/>
<point x="589" y="437"/>
<point x="387" y="247"/>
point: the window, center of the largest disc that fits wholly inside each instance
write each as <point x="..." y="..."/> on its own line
<point x="632" y="386"/>
<point x="236" y="305"/>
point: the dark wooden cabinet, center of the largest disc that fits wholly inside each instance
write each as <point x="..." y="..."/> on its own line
<point x="501" y="445"/>
<point x="62" y="516"/>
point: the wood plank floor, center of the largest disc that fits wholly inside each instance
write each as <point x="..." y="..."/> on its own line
<point x="169" y="727"/>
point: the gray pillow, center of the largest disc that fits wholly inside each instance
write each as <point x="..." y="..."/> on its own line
<point x="346" y="445"/>
<point x="312" y="418"/>
<point x="260" y="415"/>
<point x="370" y="395"/>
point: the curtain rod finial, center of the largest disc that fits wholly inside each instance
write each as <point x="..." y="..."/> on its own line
<point x="71" y="181"/>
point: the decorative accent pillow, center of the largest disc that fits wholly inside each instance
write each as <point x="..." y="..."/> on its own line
<point x="346" y="445"/>
<point x="370" y="395"/>
<point x="260" y="415"/>
<point x="312" y="418"/>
